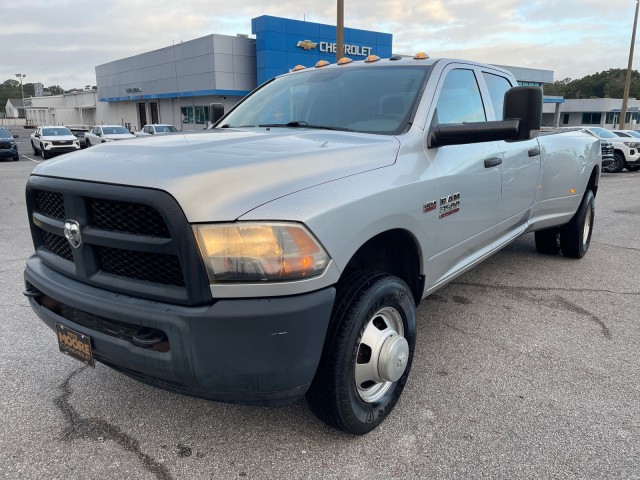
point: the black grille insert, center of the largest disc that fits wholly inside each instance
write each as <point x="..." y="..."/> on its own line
<point x="57" y="245"/>
<point x="50" y="204"/>
<point x="127" y="218"/>
<point x="150" y="267"/>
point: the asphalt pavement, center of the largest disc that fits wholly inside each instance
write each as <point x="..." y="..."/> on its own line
<point x="525" y="367"/>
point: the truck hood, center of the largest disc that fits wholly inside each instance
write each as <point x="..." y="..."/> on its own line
<point x="218" y="175"/>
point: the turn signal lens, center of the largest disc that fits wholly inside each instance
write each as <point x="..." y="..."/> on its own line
<point x="259" y="252"/>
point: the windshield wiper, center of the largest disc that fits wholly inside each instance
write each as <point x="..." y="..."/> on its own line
<point x="303" y="124"/>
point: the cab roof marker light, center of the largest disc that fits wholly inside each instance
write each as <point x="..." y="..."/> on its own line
<point x="344" y="61"/>
<point x="396" y="57"/>
<point x="371" y="59"/>
<point x="298" y="68"/>
<point x="322" y="63"/>
<point x="421" y="56"/>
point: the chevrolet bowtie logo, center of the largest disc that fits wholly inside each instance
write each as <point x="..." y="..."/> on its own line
<point x="307" y="44"/>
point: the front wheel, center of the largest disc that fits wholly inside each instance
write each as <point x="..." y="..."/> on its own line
<point x="36" y="152"/>
<point x="367" y="354"/>
<point x="617" y="165"/>
<point x="45" y="155"/>
<point x="575" y="236"/>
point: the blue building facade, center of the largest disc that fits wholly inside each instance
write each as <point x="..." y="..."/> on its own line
<point x="281" y="44"/>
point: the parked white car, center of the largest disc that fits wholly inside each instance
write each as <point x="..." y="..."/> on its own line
<point x="626" y="148"/>
<point x="156" y="129"/>
<point x="107" y="133"/>
<point x="51" y="140"/>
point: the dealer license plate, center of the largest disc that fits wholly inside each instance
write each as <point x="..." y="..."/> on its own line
<point x="75" y="344"/>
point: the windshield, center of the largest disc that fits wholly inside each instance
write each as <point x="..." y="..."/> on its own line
<point x="165" y="128"/>
<point x="633" y="133"/>
<point x="4" y="133"/>
<point x="372" y="99"/>
<point x="55" y="132"/>
<point x="114" y="130"/>
<point x="602" y="133"/>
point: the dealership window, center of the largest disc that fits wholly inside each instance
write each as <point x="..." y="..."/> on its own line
<point x="202" y="115"/>
<point x="565" y="119"/>
<point x="591" y="118"/>
<point x="187" y="114"/>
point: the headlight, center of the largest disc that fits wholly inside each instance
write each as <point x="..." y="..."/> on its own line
<point x="632" y="144"/>
<point x="259" y="252"/>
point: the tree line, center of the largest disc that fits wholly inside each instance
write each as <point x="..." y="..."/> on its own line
<point x="11" y="89"/>
<point x="606" y="84"/>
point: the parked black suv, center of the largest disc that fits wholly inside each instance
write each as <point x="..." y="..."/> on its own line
<point x="8" y="147"/>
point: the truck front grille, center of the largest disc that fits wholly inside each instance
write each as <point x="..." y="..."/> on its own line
<point x="57" y="245"/>
<point x="150" y="267"/>
<point x="127" y="217"/>
<point x="135" y="241"/>
<point x="50" y="204"/>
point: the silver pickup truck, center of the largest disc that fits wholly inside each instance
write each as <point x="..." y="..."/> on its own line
<point x="283" y="252"/>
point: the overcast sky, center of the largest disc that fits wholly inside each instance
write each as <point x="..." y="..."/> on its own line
<point x="60" y="42"/>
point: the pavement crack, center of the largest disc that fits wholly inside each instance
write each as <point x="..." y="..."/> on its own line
<point x="514" y="288"/>
<point x="617" y="246"/>
<point x="97" y="429"/>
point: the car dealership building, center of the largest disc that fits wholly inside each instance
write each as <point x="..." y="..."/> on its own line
<point x="176" y="84"/>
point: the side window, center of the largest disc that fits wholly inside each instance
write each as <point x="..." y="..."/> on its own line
<point x="460" y="100"/>
<point x="497" y="86"/>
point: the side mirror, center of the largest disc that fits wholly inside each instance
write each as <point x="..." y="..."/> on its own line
<point x="525" y="105"/>
<point x="16" y="136"/>
<point x="476" y="132"/>
<point x="523" y="116"/>
<point x="216" y="112"/>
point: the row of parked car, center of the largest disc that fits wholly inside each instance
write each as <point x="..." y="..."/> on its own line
<point x="51" y="140"/>
<point x="620" y="148"/>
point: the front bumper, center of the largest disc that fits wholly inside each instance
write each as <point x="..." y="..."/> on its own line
<point x="62" y="149"/>
<point x="262" y="351"/>
<point x="606" y="161"/>
<point x="8" y="153"/>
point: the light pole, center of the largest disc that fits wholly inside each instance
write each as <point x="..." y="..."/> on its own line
<point x="340" y="31"/>
<point x="21" y="76"/>
<point x="627" y="83"/>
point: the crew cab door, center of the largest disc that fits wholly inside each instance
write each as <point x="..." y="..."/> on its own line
<point x="520" y="165"/>
<point x="468" y="178"/>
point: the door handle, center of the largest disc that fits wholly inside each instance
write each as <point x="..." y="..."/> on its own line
<point x="534" y="152"/>
<point x="492" y="162"/>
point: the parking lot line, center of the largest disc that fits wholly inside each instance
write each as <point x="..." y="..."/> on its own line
<point x="32" y="159"/>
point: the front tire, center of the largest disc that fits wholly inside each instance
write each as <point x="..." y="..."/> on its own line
<point x="367" y="354"/>
<point x="16" y="158"/>
<point x="617" y="165"/>
<point x="575" y="236"/>
<point x="36" y="152"/>
<point x="45" y="154"/>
